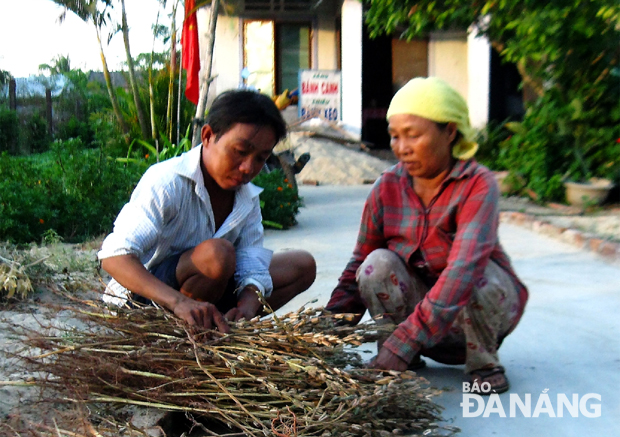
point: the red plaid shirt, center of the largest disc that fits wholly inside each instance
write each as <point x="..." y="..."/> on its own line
<point x="450" y="242"/>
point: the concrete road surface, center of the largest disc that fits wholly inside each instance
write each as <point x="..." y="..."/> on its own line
<point x="564" y="356"/>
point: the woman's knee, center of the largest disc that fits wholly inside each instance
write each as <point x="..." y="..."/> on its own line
<point x="494" y="287"/>
<point x="375" y="274"/>
<point x="377" y="266"/>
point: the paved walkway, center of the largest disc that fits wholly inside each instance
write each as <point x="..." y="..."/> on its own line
<point x="567" y="342"/>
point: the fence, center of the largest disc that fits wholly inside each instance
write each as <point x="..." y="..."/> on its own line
<point x="37" y="111"/>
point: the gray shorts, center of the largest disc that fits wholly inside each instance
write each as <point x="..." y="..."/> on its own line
<point x="166" y="271"/>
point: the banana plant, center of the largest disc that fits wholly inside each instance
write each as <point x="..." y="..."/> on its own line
<point x="168" y="150"/>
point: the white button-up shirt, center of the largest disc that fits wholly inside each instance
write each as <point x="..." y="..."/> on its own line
<point x="170" y="212"/>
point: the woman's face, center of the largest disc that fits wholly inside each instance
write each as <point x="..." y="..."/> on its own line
<point x="422" y="146"/>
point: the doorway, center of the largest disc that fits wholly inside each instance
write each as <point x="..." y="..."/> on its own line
<point x="274" y="52"/>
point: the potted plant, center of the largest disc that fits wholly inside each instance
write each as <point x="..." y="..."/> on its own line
<point x="583" y="189"/>
<point x="590" y="193"/>
<point x="560" y="146"/>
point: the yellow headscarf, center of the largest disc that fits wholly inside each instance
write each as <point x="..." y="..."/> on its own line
<point x="434" y="99"/>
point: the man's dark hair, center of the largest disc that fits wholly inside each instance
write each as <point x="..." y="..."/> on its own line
<point x="248" y="107"/>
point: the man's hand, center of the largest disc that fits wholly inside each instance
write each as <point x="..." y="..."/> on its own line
<point x="203" y="314"/>
<point x="387" y="360"/>
<point x="248" y="305"/>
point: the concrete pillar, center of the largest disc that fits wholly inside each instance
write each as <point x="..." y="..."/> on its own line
<point x="479" y="73"/>
<point x="351" y="52"/>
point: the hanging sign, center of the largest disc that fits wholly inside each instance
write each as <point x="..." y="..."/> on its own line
<point x="320" y="94"/>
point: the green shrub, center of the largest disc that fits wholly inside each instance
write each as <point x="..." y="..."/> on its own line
<point x="9" y="130"/>
<point x="22" y="199"/>
<point x="490" y="145"/>
<point x="74" y="128"/>
<point x="557" y="142"/>
<point x="36" y="137"/>
<point x="280" y="202"/>
<point x="75" y="192"/>
<point x="106" y="133"/>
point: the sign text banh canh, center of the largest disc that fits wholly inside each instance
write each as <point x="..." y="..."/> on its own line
<point x="320" y="94"/>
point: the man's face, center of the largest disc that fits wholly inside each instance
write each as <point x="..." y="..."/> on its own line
<point x="236" y="157"/>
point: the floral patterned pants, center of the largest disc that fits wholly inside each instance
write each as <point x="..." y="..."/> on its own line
<point x="390" y="288"/>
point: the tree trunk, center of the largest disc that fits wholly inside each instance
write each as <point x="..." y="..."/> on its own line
<point x="206" y="77"/>
<point x="111" y="92"/>
<point x="48" y="111"/>
<point x="179" y="97"/>
<point x="13" y="144"/>
<point x="154" y="133"/>
<point x="153" y="125"/>
<point x="12" y="95"/>
<point x="132" y="75"/>
<point x="173" y="67"/>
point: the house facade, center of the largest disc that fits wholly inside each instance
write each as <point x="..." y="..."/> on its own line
<point x="271" y="40"/>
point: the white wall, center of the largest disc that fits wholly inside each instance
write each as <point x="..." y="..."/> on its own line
<point x="228" y="57"/>
<point x="327" y="56"/>
<point x="447" y="59"/>
<point x="351" y="29"/>
<point x="463" y="60"/>
<point x="226" y="52"/>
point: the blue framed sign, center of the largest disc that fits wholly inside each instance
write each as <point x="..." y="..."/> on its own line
<point x="320" y="94"/>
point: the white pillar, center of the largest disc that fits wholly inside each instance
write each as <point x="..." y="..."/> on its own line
<point x="479" y="72"/>
<point x="351" y="38"/>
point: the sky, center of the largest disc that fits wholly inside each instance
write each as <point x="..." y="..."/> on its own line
<point x="30" y="35"/>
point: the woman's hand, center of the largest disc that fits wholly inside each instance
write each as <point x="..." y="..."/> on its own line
<point x="387" y="360"/>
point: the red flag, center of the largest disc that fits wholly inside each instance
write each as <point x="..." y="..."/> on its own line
<point x="191" y="52"/>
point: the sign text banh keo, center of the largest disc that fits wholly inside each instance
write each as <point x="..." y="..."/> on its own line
<point x="320" y="94"/>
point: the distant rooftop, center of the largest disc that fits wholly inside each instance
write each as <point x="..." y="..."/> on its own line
<point x="34" y="86"/>
<point x="118" y="78"/>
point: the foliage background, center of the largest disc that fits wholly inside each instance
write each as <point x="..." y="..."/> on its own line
<point x="566" y="51"/>
<point x="73" y="191"/>
<point x="280" y="201"/>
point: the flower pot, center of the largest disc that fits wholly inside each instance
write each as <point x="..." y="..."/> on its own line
<point x="593" y="192"/>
